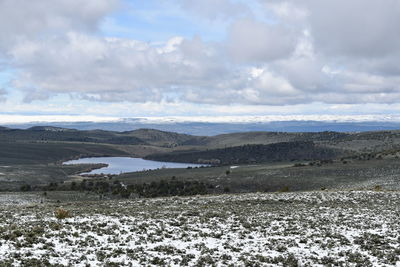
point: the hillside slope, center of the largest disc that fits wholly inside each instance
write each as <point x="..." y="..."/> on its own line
<point x="162" y="138"/>
<point x="44" y="133"/>
<point x="285" y="151"/>
<point x="39" y="153"/>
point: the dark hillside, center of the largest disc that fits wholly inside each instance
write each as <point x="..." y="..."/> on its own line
<point x="45" y="133"/>
<point x="51" y="129"/>
<point x="376" y="135"/>
<point x="265" y="138"/>
<point x="286" y="151"/>
<point x="35" y="153"/>
<point x="161" y="138"/>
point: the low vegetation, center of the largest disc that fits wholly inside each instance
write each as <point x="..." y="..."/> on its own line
<point x="106" y="188"/>
<point x="358" y="228"/>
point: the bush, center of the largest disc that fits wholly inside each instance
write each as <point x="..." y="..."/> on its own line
<point x="26" y="188"/>
<point x="61" y="214"/>
<point x="299" y="165"/>
<point x="73" y="186"/>
<point x="165" y="188"/>
<point x="284" y="189"/>
<point x="378" y="188"/>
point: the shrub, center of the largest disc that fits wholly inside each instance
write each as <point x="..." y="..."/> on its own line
<point x="378" y="188"/>
<point x="61" y="214"/>
<point x="73" y="186"/>
<point x="299" y="165"/>
<point x="25" y="188"/>
<point x="284" y="189"/>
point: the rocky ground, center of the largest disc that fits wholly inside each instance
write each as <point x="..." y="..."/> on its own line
<point x="347" y="228"/>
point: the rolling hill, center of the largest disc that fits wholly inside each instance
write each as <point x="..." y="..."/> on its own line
<point x="286" y="151"/>
<point x="227" y="148"/>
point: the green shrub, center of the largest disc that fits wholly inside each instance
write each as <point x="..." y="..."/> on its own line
<point x="378" y="188"/>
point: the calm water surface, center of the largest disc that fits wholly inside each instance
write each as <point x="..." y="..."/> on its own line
<point x="117" y="165"/>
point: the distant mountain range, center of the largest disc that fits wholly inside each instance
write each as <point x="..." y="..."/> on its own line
<point x="215" y="128"/>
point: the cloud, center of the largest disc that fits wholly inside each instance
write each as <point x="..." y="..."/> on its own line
<point x="32" y="95"/>
<point x="355" y="28"/>
<point x="112" y="69"/>
<point x="215" y="9"/>
<point x="39" y="19"/>
<point x="254" y="41"/>
<point x="3" y="94"/>
<point x="292" y="52"/>
<point x="357" y="41"/>
<point x="287" y="10"/>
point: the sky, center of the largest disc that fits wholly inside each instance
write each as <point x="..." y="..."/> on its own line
<point x="155" y="58"/>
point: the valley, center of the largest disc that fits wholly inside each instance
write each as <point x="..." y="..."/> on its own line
<point x="267" y="199"/>
<point x="267" y="161"/>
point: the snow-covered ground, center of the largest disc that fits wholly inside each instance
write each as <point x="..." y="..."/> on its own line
<point x="359" y="228"/>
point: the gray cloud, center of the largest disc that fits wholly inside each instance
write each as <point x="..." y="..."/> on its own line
<point x="35" y="94"/>
<point x="357" y="34"/>
<point x="41" y="19"/>
<point x="253" y="41"/>
<point x="308" y="52"/>
<point x="117" y="69"/>
<point x="31" y="17"/>
<point x="3" y="94"/>
<point x="355" y="28"/>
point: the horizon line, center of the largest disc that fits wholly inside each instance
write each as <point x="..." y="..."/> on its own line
<point x="31" y="119"/>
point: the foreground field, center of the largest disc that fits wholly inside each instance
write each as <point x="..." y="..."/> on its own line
<point x="359" y="228"/>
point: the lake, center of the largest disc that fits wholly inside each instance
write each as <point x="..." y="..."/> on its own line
<point x="118" y="165"/>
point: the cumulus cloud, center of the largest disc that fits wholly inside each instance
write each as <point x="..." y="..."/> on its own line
<point x="296" y="52"/>
<point x="38" y="19"/>
<point x="254" y="41"/>
<point x="355" y="28"/>
<point x="353" y="47"/>
<point x="112" y="69"/>
<point x="349" y="31"/>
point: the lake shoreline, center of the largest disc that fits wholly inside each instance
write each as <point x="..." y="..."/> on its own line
<point x="119" y="165"/>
